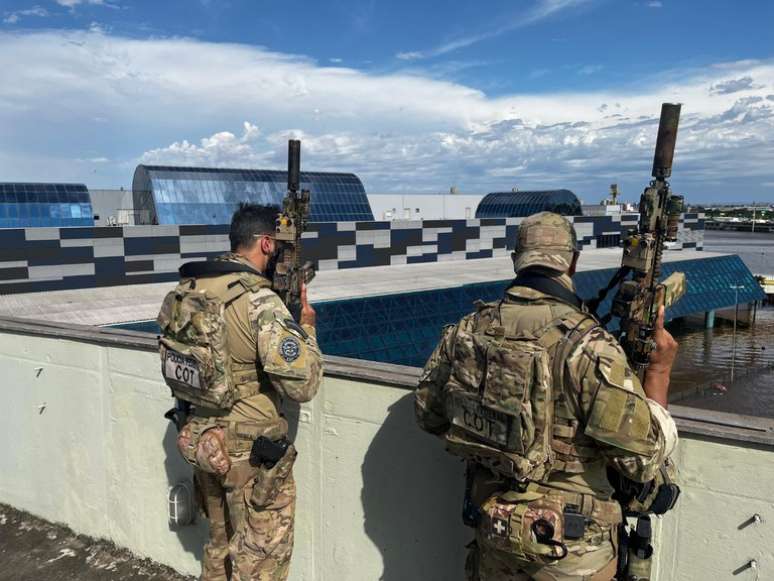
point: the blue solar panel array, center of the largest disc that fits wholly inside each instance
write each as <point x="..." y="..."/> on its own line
<point x="404" y="328"/>
<point x="520" y="204"/>
<point x="34" y="205"/>
<point x="179" y="195"/>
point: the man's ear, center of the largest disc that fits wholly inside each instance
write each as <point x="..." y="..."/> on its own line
<point x="265" y="243"/>
<point x="573" y="263"/>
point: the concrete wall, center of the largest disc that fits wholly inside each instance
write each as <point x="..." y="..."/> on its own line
<point x="378" y="499"/>
<point x="116" y="204"/>
<point x="424" y="206"/>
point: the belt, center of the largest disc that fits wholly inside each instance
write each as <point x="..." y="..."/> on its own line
<point x="602" y="511"/>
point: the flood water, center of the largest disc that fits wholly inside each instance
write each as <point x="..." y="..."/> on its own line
<point x="705" y="356"/>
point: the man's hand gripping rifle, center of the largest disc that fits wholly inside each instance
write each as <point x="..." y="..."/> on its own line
<point x="290" y="275"/>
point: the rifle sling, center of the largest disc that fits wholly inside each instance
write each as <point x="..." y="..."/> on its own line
<point x="545" y="284"/>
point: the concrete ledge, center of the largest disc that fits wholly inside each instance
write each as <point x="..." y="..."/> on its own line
<point x="713" y="424"/>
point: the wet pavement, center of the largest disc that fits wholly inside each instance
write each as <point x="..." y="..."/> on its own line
<point x="34" y="549"/>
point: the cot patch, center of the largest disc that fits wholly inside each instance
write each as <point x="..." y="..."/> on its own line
<point x="289" y="349"/>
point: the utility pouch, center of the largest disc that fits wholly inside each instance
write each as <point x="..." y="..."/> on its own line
<point x="528" y="524"/>
<point x="269" y="480"/>
<point x="202" y="444"/>
<point x="574" y="523"/>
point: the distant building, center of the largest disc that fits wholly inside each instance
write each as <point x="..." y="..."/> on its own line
<point x="424" y="206"/>
<point x="25" y="205"/>
<point x="194" y="195"/>
<point x="518" y="204"/>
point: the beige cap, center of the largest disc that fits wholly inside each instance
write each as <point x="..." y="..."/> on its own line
<point x="545" y="239"/>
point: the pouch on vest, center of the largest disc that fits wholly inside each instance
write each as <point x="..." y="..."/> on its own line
<point x="527" y="524"/>
<point x="499" y="400"/>
<point x="541" y="527"/>
<point x="195" y="360"/>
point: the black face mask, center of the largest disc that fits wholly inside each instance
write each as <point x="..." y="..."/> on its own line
<point x="271" y="264"/>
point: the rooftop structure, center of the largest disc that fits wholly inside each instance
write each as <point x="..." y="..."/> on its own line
<point x="196" y="195"/>
<point x="24" y="205"/>
<point x="519" y="204"/>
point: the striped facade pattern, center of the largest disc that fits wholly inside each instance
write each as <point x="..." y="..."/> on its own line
<point x="45" y="259"/>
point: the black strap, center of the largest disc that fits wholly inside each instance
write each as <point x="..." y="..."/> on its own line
<point x="594" y="303"/>
<point x="204" y="268"/>
<point x="548" y="285"/>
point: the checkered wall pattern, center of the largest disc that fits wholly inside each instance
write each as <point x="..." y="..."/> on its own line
<point x="45" y="259"/>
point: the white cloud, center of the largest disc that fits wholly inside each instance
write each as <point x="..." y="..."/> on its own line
<point x="734" y="86"/>
<point x="15" y="16"/>
<point x="185" y="101"/>
<point x="541" y="10"/>
<point x="590" y="69"/>
<point x="71" y="4"/>
<point x="655" y="4"/>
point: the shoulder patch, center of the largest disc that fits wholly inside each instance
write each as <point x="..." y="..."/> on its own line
<point x="289" y="349"/>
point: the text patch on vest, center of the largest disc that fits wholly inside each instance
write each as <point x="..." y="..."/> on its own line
<point x="182" y="369"/>
<point x="490" y="425"/>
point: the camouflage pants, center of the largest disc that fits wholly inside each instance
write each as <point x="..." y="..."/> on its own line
<point x="247" y="542"/>
<point x="486" y="564"/>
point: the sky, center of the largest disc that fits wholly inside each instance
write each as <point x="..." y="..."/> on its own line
<point x="411" y="96"/>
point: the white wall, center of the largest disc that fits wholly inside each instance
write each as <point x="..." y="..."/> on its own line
<point x="431" y="206"/>
<point x="378" y="499"/>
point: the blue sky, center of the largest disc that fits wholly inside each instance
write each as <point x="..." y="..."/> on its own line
<point x="412" y="96"/>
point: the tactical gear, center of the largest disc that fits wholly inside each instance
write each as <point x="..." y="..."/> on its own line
<point x="209" y="442"/>
<point x="539" y="524"/>
<point x="195" y="360"/>
<point x="547" y="240"/>
<point x="266" y="452"/>
<point x="269" y="479"/>
<point x="657" y="496"/>
<point x="500" y="393"/>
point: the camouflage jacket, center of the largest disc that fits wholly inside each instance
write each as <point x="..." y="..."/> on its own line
<point x="261" y="331"/>
<point x="602" y="416"/>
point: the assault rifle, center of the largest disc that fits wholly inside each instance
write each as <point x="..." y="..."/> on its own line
<point x="290" y="274"/>
<point x="637" y="303"/>
<point x="639" y="298"/>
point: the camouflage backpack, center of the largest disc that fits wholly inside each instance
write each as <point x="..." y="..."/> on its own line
<point x="500" y="395"/>
<point x="195" y="359"/>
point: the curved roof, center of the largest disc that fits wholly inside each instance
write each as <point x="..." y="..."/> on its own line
<point x="519" y="204"/>
<point x="196" y="195"/>
<point x="24" y="205"/>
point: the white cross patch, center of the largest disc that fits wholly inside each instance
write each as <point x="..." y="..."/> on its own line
<point x="500" y="527"/>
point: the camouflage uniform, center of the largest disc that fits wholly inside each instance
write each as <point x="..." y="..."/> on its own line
<point x="601" y="418"/>
<point x="251" y="510"/>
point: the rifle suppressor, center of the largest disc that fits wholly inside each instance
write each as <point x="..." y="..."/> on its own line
<point x="665" y="143"/>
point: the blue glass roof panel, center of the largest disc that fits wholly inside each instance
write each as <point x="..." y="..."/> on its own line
<point x="520" y="204"/>
<point x="210" y="196"/>
<point x="26" y="205"/>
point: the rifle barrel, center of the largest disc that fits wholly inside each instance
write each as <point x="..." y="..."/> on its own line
<point x="665" y="143"/>
<point x="294" y="165"/>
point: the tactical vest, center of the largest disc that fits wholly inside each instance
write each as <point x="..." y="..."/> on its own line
<point x="195" y="358"/>
<point x="505" y="397"/>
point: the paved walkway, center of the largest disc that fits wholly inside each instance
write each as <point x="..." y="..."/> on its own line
<point x="32" y="549"/>
<point x="100" y="306"/>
